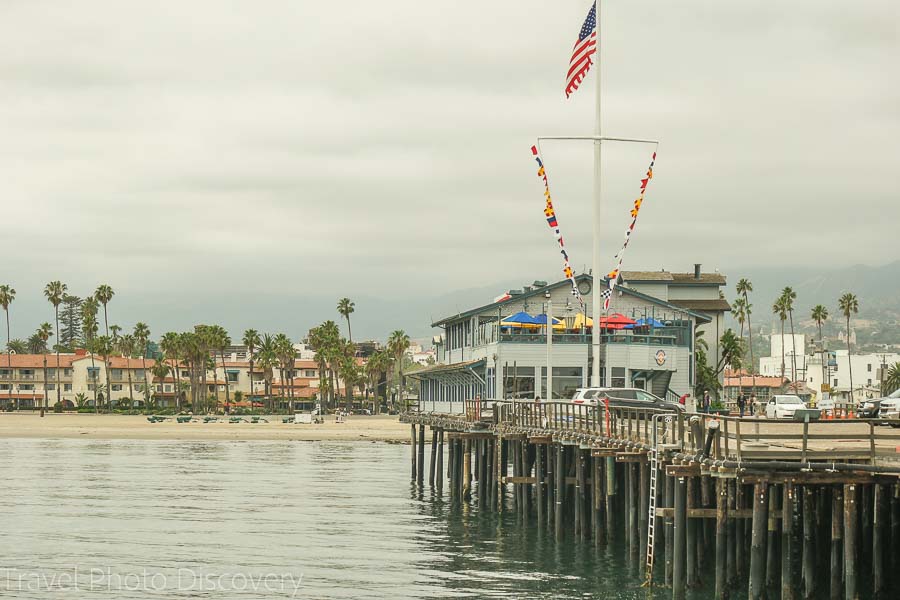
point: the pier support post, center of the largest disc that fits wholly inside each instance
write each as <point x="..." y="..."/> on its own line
<point x="721" y="538"/>
<point x="580" y="494"/>
<point x="597" y="499"/>
<point x="643" y="507"/>
<point x="539" y="485"/>
<point x="739" y="537"/>
<point x="560" y="492"/>
<point x="550" y="476"/>
<point x="731" y="528"/>
<point x="851" y="592"/>
<point x="421" y="460"/>
<point x="439" y="470"/>
<point x="691" y="575"/>
<point x="467" y="470"/>
<point x="878" y="546"/>
<point x="772" y="543"/>
<point x="758" y="542"/>
<point x="678" y="562"/>
<point x="669" y="528"/>
<point x="610" y="497"/>
<point x="837" y="542"/>
<point x="412" y="429"/>
<point x="433" y="458"/>
<point x="787" y="537"/>
<point x="809" y="558"/>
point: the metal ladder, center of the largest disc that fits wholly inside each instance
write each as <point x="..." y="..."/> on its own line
<point x="654" y="469"/>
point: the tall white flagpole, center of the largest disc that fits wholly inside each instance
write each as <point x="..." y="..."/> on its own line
<point x="597" y="270"/>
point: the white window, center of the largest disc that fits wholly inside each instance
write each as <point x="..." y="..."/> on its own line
<point x="67" y="387"/>
<point x="117" y="387"/>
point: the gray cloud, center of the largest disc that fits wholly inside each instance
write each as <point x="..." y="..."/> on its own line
<point x="306" y="150"/>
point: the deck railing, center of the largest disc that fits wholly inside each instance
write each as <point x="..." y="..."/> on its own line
<point x="748" y="438"/>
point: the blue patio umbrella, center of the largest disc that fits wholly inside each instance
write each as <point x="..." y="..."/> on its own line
<point x="541" y="319"/>
<point x="651" y="322"/>
<point x="518" y="319"/>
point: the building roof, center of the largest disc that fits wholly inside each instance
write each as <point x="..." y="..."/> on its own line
<point x="719" y="304"/>
<point x="759" y="381"/>
<point x="539" y="291"/>
<point x="36" y="361"/>
<point x="677" y="278"/>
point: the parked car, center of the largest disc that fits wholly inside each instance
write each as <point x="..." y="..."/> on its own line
<point x="783" y="406"/>
<point x="869" y="409"/>
<point x="623" y="398"/>
<point x="889" y="409"/>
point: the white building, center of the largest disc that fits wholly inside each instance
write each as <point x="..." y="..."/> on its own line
<point x="794" y="348"/>
<point x="477" y="356"/>
<point x="836" y="372"/>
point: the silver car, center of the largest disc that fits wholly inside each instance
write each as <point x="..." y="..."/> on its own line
<point x="889" y="409"/>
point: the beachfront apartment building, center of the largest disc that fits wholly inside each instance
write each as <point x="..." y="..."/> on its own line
<point x="22" y="380"/>
<point x="480" y="353"/>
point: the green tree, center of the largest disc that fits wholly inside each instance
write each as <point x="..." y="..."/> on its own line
<point x="89" y="329"/>
<point x="36" y="345"/>
<point x="104" y="295"/>
<point x="160" y="371"/>
<point x="104" y="346"/>
<point x="398" y="343"/>
<point x="287" y="355"/>
<point x="125" y="345"/>
<point x="744" y="287"/>
<point x="252" y="341"/>
<point x="17" y="346"/>
<point x="892" y="381"/>
<point x="70" y="337"/>
<point x="43" y="333"/>
<point x="375" y="368"/>
<point x="820" y="315"/>
<point x="788" y="295"/>
<point x="267" y="358"/>
<point x="849" y="305"/>
<point x="55" y="292"/>
<point x="221" y="341"/>
<point x="7" y="295"/>
<point x="345" y="307"/>
<point x="780" y="310"/>
<point x="169" y="344"/>
<point x="732" y="352"/>
<point x="141" y="336"/>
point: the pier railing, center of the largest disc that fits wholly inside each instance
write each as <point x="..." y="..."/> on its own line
<point x="748" y="438"/>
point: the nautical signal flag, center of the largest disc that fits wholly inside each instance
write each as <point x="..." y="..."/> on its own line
<point x="583" y="52"/>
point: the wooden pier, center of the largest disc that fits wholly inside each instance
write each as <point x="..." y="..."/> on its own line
<point x="760" y="507"/>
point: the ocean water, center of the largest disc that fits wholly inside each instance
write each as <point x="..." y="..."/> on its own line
<point x="166" y="519"/>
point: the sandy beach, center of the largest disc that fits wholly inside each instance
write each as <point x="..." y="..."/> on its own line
<point x="356" y="428"/>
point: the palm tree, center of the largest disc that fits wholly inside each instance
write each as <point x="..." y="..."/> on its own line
<point x="105" y="347"/>
<point x="820" y="315"/>
<point x="55" y="292"/>
<point x="17" y="346"/>
<point x="744" y="287"/>
<point x="205" y="344"/>
<point x="141" y="336"/>
<point x="89" y="328"/>
<point x="378" y="363"/>
<point x="780" y="310"/>
<point x="44" y="332"/>
<point x="849" y="305"/>
<point x="268" y="360"/>
<point x="892" y="381"/>
<point x="7" y="295"/>
<point x="169" y="346"/>
<point x="126" y="349"/>
<point x="789" y="295"/>
<point x="223" y="341"/>
<point x="345" y="307"/>
<point x="286" y="357"/>
<point x="252" y="341"/>
<point x="104" y="294"/>
<point x="398" y="344"/>
<point x="160" y="372"/>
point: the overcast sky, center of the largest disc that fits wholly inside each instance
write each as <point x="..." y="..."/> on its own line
<point x="251" y="162"/>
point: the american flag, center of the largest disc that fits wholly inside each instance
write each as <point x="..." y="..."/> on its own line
<point x="584" y="49"/>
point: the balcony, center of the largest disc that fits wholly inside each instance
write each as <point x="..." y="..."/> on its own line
<point x="585" y="338"/>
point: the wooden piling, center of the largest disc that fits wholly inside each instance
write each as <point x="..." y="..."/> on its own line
<point x="691" y="571"/>
<point x="467" y="470"/>
<point x="787" y="541"/>
<point x="597" y="499"/>
<point x="539" y="483"/>
<point x="413" y="453"/>
<point x="809" y="557"/>
<point x="439" y="470"/>
<point x="837" y="543"/>
<point x="721" y="538"/>
<point x="851" y="592"/>
<point x="730" y="527"/>
<point x="669" y="530"/>
<point x="878" y="542"/>
<point x="643" y="506"/>
<point x="772" y="542"/>
<point x="758" y="541"/>
<point x="560" y="492"/>
<point x="580" y="494"/>
<point x="680" y="546"/>
<point x="626" y="513"/>
<point x="421" y="460"/>
<point x="433" y="458"/>
<point x="739" y="537"/>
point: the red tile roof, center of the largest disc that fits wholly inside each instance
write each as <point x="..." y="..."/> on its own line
<point x="36" y="361"/>
<point x="760" y="381"/>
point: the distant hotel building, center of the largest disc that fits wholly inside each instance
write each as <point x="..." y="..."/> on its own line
<point x="476" y="355"/>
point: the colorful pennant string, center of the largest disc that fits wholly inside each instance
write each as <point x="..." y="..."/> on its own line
<point x="552" y="221"/>
<point x="613" y="276"/>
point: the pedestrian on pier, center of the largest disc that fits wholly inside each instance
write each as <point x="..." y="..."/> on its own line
<point x="706" y="401"/>
<point x="741" y="402"/>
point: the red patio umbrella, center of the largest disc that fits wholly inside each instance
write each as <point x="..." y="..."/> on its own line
<point x="615" y="321"/>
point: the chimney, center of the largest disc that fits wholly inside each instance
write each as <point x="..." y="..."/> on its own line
<point x="696" y="270"/>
